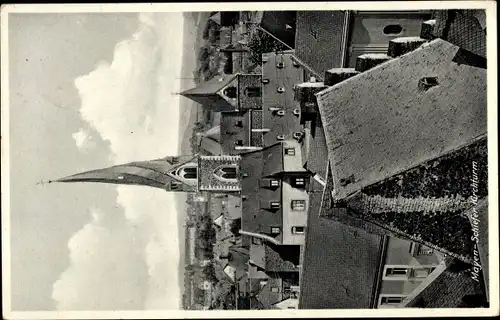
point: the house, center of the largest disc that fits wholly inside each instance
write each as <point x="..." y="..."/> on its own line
<point x="232" y="92"/>
<point x="410" y="91"/>
<point x="241" y="131"/>
<point x="274" y="193"/>
<point x="382" y="273"/>
<point x="334" y="39"/>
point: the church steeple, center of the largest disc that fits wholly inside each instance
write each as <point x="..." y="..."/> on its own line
<point x="181" y="173"/>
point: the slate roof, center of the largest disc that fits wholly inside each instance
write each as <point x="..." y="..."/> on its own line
<point x="275" y="23"/>
<point x="451" y="288"/>
<point x="231" y="133"/>
<point x="319" y="39"/>
<point x="316" y="156"/>
<point x="256" y="214"/>
<point x="206" y="93"/>
<point x="332" y="276"/>
<point x="364" y="115"/>
<point x="210" y="146"/>
<point x="285" y="78"/>
<point x="267" y="297"/>
<point x="463" y="28"/>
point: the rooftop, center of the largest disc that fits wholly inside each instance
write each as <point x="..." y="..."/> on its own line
<point x="392" y="95"/>
<point x="282" y="73"/>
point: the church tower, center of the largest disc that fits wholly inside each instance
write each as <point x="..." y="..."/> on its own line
<point x="219" y="174"/>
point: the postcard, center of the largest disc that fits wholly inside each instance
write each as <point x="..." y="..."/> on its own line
<point x="222" y="160"/>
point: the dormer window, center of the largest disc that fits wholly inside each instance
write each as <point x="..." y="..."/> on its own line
<point x="297" y="135"/>
<point x="298" y="230"/>
<point x="265" y="81"/>
<point x="274" y="183"/>
<point x="280" y="89"/>
<point x="296" y="112"/>
<point x="239" y="123"/>
<point x="256" y="241"/>
<point x="280" y="137"/>
<point x="238" y="142"/>
<point x="275" y="205"/>
<point x="280" y="112"/>
<point x="280" y="65"/>
<point x="174" y="185"/>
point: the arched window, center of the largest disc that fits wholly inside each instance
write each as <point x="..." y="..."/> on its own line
<point x="230" y="92"/>
<point x="188" y="172"/>
<point x="226" y="172"/>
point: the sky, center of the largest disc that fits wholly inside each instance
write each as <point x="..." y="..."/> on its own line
<point x="89" y="90"/>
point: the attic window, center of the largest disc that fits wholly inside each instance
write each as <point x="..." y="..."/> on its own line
<point x="280" y="137"/>
<point x="392" y="29"/>
<point x="280" y="65"/>
<point x="427" y="82"/>
<point x="296" y="112"/>
<point x="280" y="89"/>
<point x="280" y="113"/>
<point x="297" y="135"/>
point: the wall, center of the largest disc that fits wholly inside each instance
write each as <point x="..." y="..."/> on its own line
<point x="367" y="35"/>
<point x="398" y="253"/>
<point x="245" y="81"/>
<point x="293" y="218"/>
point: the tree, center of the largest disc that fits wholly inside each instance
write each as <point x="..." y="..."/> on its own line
<point x="263" y="43"/>
<point x="235" y="226"/>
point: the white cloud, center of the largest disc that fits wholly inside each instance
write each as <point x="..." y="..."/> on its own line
<point x="128" y="103"/>
<point x="83" y="140"/>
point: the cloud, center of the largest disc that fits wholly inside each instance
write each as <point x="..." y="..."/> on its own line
<point x="83" y="140"/>
<point x="128" y="102"/>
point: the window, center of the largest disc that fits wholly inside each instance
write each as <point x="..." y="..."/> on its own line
<point x="230" y="92"/>
<point x="280" y="137"/>
<point x="290" y="151"/>
<point x="396" y="272"/>
<point x="280" y="113"/>
<point x="265" y="81"/>
<point x="298" y="230"/>
<point x="392" y="29"/>
<point x="253" y="92"/>
<point x="296" y="112"/>
<point x="238" y="142"/>
<point x="188" y="172"/>
<point x="239" y="123"/>
<point x="274" y="289"/>
<point x="275" y="230"/>
<point x="299" y="182"/>
<point x="298" y="205"/>
<point x="280" y="89"/>
<point x="227" y="173"/>
<point x="391" y="300"/>
<point x="275" y="205"/>
<point x="297" y="135"/>
<point x="174" y="160"/>
<point x="274" y="183"/>
<point x="280" y="65"/>
<point x="120" y="177"/>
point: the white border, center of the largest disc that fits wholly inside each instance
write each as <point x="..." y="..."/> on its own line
<point x="490" y="6"/>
